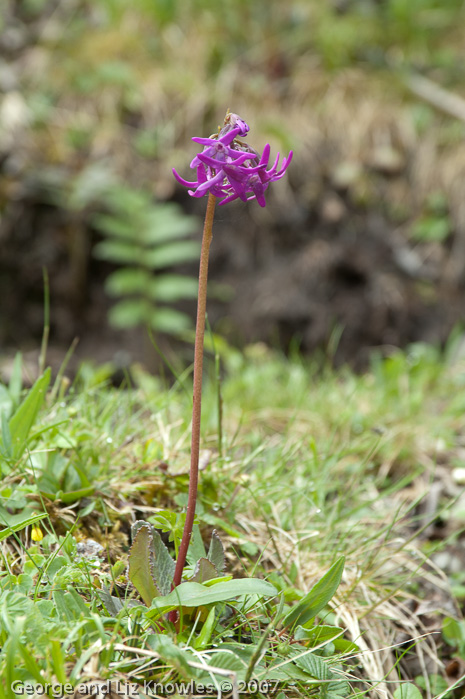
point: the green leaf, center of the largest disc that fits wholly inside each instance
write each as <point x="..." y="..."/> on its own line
<point x="69" y="605"/>
<point x="113" y="605"/>
<point x="169" y="288"/>
<point x="75" y="603"/>
<point x="317" y="634"/>
<point x="203" y="571"/>
<point x="453" y="631"/>
<point x="25" y="416"/>
<point x="216" y="552"/>
<point x="16" y="380"/>
<point x="6" y="441"/>
<point x="226" y="661"/>
<point x="119" y="251"/>
<point x="336" y="689"/>
<point x="196" y="548"/>
<point x="140" y="564"/>
<point x="166" y="223"/>
<point x="168" y="320"/>
<point x="6" y="402"/>
<point x="318" y="597"/>
<point x="314" y="666"/>
<point x="171" y="254"/>
<point x="130" y="312"/>
<point x="163" y="565"/>
<point x="203" y="639"/>
<point x="129" y="280"/>
<point x="407" y="691"/>
<point x="169" y="651"/>
<point x="191" y="594"/>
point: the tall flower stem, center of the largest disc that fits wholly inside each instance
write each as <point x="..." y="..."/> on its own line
<point x="197" y="391"/>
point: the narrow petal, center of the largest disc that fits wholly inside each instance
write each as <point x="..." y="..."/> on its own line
<point x="204" y="141"/>
<point x="214" y="163"/>
<point x="205" y="186"/>
<point x="265" y="155"/>
<point x="186" y="183"/>
<point x="285" y="165"/>
<point x="229" y="137"/>
<point x="272" y="170"/>
<point x="231" y="197"/>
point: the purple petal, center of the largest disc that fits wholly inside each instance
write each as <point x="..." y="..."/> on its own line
<point x="204" y="141"/>
<point x="286" y="163"/>
<point x="265" y="155"/>
<point x="231" y="197"/>
<point x="186" y="183"/>
<point x="229" y="137"/>
<point x="212" y="162"/>
<point x="219" y="177"/>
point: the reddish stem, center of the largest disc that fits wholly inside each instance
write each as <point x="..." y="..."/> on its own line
<point x="197" y="391"/>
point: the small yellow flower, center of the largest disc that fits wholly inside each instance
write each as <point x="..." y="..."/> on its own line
<point x="36" y="533"/>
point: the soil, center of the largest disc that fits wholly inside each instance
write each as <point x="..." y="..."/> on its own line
<point x="322" y="275"/>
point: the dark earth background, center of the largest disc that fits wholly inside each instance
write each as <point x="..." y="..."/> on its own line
<point x="302" y="274"/>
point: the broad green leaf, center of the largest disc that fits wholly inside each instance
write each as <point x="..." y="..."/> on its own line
<point x="129" y="280"/>
<point x="215" y="581"/>
<point x="225" y="661"/>
<point x="119" y="251"/>
<point x="169" y="288"/>
<point x="113" y="605"/>
<point x="130" y="312"/>
<point x="169" y="651"/>
<point x="169" y="320"/>
<point x="25" y="583"/>
<point x="344" y="646"/>
<point x="75" y="603"/>
<point x="191" y="594"/>
<point x="140" y="565"/>
<point x="163" y="565"/>
<point x="196" y="548"/>
<point x="74" y="495"/>
<point x="203" y="571"/>
<point x="318" y="597"/>
<point x="337" y="689"/>
<point x="453" y="631"/>
<point x="66" y="607"/>
<point x="317" y="634"/>
<point x="314" y="665"/>
<point x="216" y="552"/>
<point x="25" y="416"/>
<point x="171" y="254"/>
<point x="15" y="605"/>
<point x="164" y="225"/>
<point x="407" y="691"/>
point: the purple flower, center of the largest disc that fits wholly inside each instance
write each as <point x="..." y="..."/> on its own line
<point x="230" y="169"/>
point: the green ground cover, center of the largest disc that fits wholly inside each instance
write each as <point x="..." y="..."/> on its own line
<point x="311" y="465"/>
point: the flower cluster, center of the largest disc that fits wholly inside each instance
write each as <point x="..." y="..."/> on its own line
<point x="231" y="169"/>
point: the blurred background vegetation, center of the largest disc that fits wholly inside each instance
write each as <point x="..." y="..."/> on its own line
<point x="362" y="245"/>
